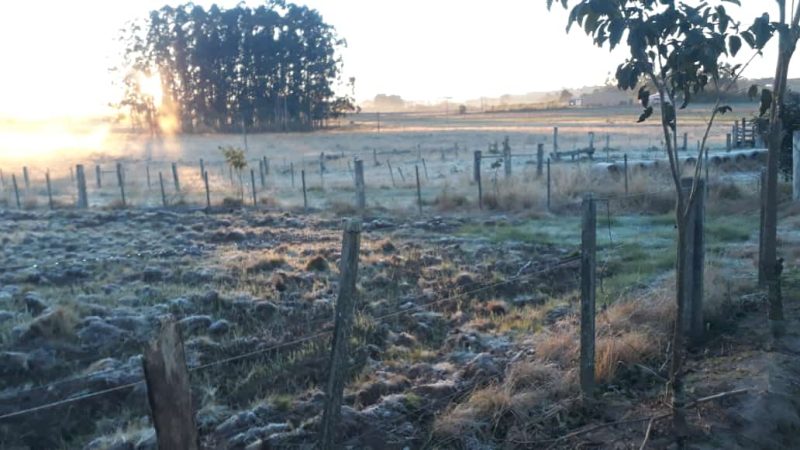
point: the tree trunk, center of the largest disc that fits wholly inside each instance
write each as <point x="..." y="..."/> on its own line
<point x="678" y="339"/>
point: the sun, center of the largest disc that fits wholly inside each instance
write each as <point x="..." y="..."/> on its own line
<point x="150" y="86"/>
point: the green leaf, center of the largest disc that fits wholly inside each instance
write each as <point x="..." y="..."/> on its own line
<point x="734" y="44"/>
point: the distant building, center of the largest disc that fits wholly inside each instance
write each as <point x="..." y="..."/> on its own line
<point x="576" y="102"/>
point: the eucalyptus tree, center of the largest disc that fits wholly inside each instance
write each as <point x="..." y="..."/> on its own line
<point x="676" y="49"/>
<point x="265" y="68"/>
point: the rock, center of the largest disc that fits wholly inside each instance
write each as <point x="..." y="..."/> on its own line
<point x="34" y="303"/>
<point x="100" y="335"/>
<point x="195" y="324"/>
<point x="464" y="279"/>
<point x="219" y="327"/>
<point x="317" y="264"/>
<point x="13" y="363"/>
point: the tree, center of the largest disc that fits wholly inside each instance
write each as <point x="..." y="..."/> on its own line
<point x="675" y="48"/>
<point x="565" y="96"/>
<point x="272" y="67"/>
<point x="236" y="160"/>
<point x="788" y="30"/>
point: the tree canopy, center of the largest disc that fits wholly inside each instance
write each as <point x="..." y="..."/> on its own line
<point x="272" y="67"/>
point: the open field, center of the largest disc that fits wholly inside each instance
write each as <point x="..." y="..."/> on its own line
<point x="465" y="332"/>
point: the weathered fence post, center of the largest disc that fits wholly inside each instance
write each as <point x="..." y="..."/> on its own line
<point x="555" y="139"/>
<point x="26" y="178"/>
<point x="477" y="175"/>
<point x="305" y="196"/>
<point x="337" y="366"/>
<point x="163" y="193"/>
<point x="591" y="141"/>
<point x="266" y="166"/>
<point x="49" y="189"/>
<point x="625" y="169"/>
<point x="425" y="166"/>
<point x="121" y="183"/>
<point x="175" y="177"/>
<point x="507" y="162"/>
<point x="80" y="175"/>
<point x="539" y="159"/>
<point x="728" y="142"/>
<point x="253" y="186"/>
<point x="168" y="390"/>
<point x="588" y="278"/>
<point x="98" y="176"/>
<point x="391" y="172"/>
<point x="685" y="142"/>
<point x="419" y="190"/>
<point x="548" y="184"/>
<point x="796" y="166"/>
<point x="361" y="196"/>
<point x="375" y="157"/>
<point x="16" y="190"/>
<point x="208" y="191"/>
<point x="762" y="189"/>
<point x="476" y="166"/>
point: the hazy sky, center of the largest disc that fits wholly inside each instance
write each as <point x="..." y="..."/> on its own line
<point x="56" y="52"/>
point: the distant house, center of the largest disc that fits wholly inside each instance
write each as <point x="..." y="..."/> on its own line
<point x="576" y="102"/>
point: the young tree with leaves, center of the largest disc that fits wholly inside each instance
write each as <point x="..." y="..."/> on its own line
<point x="675" y="48"/>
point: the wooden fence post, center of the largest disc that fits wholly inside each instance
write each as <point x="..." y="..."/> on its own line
<point x="208" y="191"/>
<point x="16" y="190"/>
<point x="305" y="196"/>
<point x="507" y="162"/>
<point x="796" y="166"/>
<point x="291" y="169"/>
<point x="202" y="168"/>
<point x="548" y="184"/>
<point x="337" y="366"/>
<point x="175" y="177"/>
<point x="391" y="172"/>
<point x="625" y="168"/>
<point x="168" y="390"/>
<point x="163" y="193"/>
<point x="588" y="278"/>
<point x="591" y="141"/>
<point x="425" y="167"/>
<point x="539" y="159"/>
<point x="419" y="190"/>
<point x="253" y="186"/>
<point x="728" y="142"/>
<point x="26" y="178"/>
<point x="266" y="166"/>
<point x="402" y="177"/>
<point x="685" y="141"/>
<point x="555" y="139"/>
<point x="49" y="189"/>
<point x="375" y="157"/>
<point x="98" y="176"/>
<point x="121" y="183"/>
<point x="361" y="196"/>
<point x="80" y="175"/>
<point x="477" y="175"/>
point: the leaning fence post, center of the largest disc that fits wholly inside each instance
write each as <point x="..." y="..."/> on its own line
<point x="391" y="172"/>
<point x="305" y="196"/>
<point x="49" y="189"/>
<point x="402" y="177"/>
<point x="337" y="366"/>
<point x="208" y="191"/>
<point x="121" y="183"/>
<point x="419" y="190"/>
<point x="80" y="175"/>
<point x="98" y="176"/>
<point x="588" y="278"/>
<point x="361" y="198"/>
<point x="625" y="168"/>
<point x="168" y="390"/>
<point x="16" y="190"/>
<point x="163" y="193"/>
<point x="175" y="177"/>
<point x="253" y="186"/>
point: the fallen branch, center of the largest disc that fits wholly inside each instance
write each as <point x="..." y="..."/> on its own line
<point x="647" y="434"/>
<point x="655" y="418"/>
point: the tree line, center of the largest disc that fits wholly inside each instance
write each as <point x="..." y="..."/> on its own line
<point x="268" y="68"/>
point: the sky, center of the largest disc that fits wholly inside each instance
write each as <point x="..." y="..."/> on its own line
<point x="56" y="53"/>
